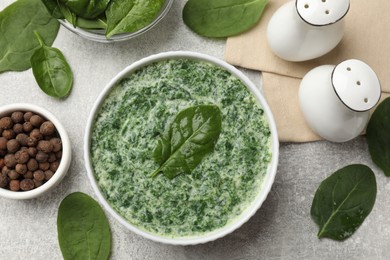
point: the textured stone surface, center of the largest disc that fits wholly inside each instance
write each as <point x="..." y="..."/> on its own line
<point x="281" y="229"/>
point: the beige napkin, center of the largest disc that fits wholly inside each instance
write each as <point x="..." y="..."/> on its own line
<point x="367" y="37"/>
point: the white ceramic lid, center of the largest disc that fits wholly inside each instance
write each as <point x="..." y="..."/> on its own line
<point x="322" y="12"/>
<point x="356" y="84"/>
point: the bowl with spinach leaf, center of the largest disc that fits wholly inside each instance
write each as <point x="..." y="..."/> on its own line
<point x="108" y="20"/>
<point x="181" y="148"/>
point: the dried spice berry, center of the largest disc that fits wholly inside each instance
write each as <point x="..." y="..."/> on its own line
<point x="44" y="166"/>
<point x="27" y="116"/>
<point x="32" y="151"/>
<point x="9" y="134"/>
<point x="32" y="141"/>
<point x="18" y="128"/>
<point x="36" y="120"/>
<point x="17" y="117"/>
<point x="6" y="123"/>
<point x="27" y="127"/>
<point x="3" y="143"/>
<point x="21" y="168"/>
<point x="52" y="157"/>
<point x="59" y="155"/>
<point x="28" y="175"/>
<point x="3" y="180"/>
<point x="10" y="161"/>
<point x="47" y="128"/>
<point x="32" y="165"/>
<point x="13" y="146"/>
<point x="14" y="185"/>
<point x="22" y="139"/>
<point x="48" y="174"/>
<point x="5" y="170"/>
<point x="57" y="144"/>
<point x="45" y="146"/>
<point x="37" y="183"/>
<point x="35" y="133"/>
<point x="26" y="184"/>
<point x="41" y="156"/>
<point x="13" y="175"/>
<point x="54" y="166"/>
<point x="39" y="175"/>
<point x="22" y="156"/>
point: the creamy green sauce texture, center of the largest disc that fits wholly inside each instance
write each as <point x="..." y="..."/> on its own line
<point x="139" y="109"/>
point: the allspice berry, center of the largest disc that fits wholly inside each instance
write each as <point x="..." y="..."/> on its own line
<point x="14" y="185"/>
<point x="9" y="134"/>
<point x="27" y="127"/>
<point x="3" y="180"/>
<point x="27" y="184"/>
<point x="28" y="175"/>
<point x="22" y="156"/>
<point x="32" y="141"/>
<point x="48" y="175"/>
<point x="21" y="168"/>
<point x="52" y="157"/>
<point x="54" y="166"/>
<point x="47" y="128"/>
<point x="27" y="116"/>
<point x="39" y="175"/>
<point x="45" y="146"/>
<point x="57" y="144"/>
<point x="6" y="123"/>
<point x="18" y="128"/>
<point x="13" y="146"/>
<point x="37" y="183"/>
<point x="35" y="133"/>
<point x="9" y="160"/>
<point x="3" y="143"/>
<point x="41" y="156"/>
<point x="36" y="120"/>
<point x="32" y="151"/>
<point x="32" y="165"/>
<point x="5" y="170"/>
<point x="13" y="175"/>
<point x="44" y="166"/>
<point x="22" y="139"/>
<point x="17" y="117"/>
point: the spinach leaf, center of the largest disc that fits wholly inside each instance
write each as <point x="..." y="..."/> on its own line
<point x="88" y="9"/>
<point x="68" y="14"/>
<point x="343" y="201"/>
<point x="53" y="8"/>
<point x="51" y="71"/>
<point x="222" y="18"/>
<point x="17" y="25"/>
<point x="83" y="229"/>
<point x="191" y="136"/>
<point x="97" y="23"/>
<point x="130" y="16"/>
<point x="378" y="136"/>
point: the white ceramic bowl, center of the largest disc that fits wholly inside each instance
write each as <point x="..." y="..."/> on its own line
<point x="99" y="35"/>
<point x="66" y="152"/>
<point x="268" y="180"/>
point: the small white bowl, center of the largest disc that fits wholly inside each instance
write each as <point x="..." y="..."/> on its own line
<point x="268" y="180"/>
<point x="66" y="152"/>
<point x="99" y="35"/>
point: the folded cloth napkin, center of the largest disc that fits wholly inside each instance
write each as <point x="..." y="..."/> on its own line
<point x="366" y="38"/>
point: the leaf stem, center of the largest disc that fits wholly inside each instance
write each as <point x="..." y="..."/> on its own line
<point x="39" y="39"/>
<point x="155" y="173"/>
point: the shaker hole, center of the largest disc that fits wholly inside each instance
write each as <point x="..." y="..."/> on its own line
<point x="306" y="6"/>
<point x="349" y="69"/>
<point x="327" y="11"/>
<point x="366" y="100"/>
<point x="358" y="83"/>
<point x="323" y="1"/>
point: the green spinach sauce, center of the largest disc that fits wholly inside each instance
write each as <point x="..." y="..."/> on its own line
<point x="135" y="114"/>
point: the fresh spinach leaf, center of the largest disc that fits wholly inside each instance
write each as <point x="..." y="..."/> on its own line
<point x="130" y="16"/>
<point x="83" y="229"/>
<point x="191" y="136"/>
<point x="97" y="23"/>
<point x="53" y="8"/>
<point x="343" y="201"/>
<point x="378" y="136"/>
<point x="88" y="9"/>
<point x="51" y="71"/>
<point x="17" y="25"/>
<point x="68" y="14"/>
<point x="222" y="18"/>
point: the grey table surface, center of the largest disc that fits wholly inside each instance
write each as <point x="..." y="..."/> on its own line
<point x="281" y="228"/>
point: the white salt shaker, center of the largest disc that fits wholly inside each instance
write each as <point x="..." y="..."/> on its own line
<point x="335" y="100"/>
<point x="302" y="30"/>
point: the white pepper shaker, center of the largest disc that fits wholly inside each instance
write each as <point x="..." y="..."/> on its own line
<point x="302" y="30"/>
<point x="335" y="100"/>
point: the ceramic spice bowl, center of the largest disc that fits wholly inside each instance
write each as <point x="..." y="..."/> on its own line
<point x="62" y="162"/>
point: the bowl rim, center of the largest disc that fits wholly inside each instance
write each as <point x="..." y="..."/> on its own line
<point x="66" y="152"/>
<point x="268" y="178"/>
<point x="98" y="37"/>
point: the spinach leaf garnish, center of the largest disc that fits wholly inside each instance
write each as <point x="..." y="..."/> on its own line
<point x="191" y="136"/>
<point x="88" y="9"/>
<point x="53" y="8"/>
<point x="222" y="18"/>
<point x="343" y="201"/>
<point x="18" y="22"/>
<point x="83" y="229"/>
<point x="51" y="71"/>
<point x="378" y="136"/>
<point x="130" y="16"/>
